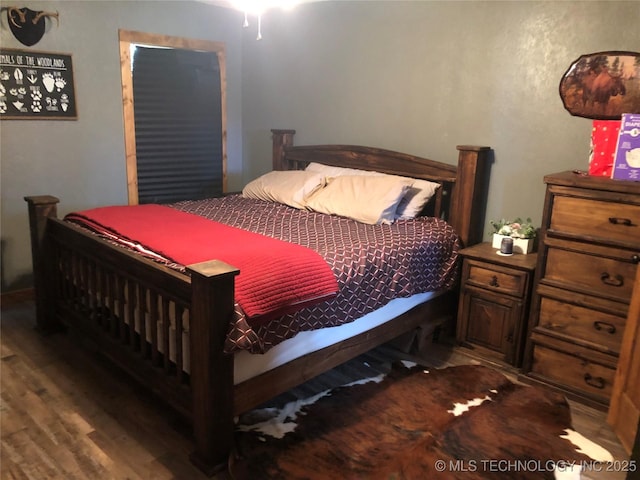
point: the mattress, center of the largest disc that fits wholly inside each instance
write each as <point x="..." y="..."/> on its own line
<point x="248" y="365"/>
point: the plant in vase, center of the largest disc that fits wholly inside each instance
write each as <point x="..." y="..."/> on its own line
<point x="522" y="232"/>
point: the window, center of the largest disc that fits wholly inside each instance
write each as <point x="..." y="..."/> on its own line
<point x="174" y="117"/>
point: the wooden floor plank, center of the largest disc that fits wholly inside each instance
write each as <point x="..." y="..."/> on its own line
<point x="10" y="470"/>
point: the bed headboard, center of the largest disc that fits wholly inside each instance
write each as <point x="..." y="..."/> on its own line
<point x="461" y="200"/>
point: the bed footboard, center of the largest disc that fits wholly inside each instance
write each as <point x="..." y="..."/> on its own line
<point x="140" y="315"/>
<point x="212" y="389"/>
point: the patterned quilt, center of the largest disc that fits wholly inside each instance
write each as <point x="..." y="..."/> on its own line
<point x="372" y="263"/>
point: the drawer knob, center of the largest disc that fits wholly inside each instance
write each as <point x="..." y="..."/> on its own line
<point x="635" y="258"/>
<point x="595" y="382"/>
<point x="608" y="327"/>
<point x="494" y="281"/>
<point x="621" y="221"/>
<point x="614" y="281"/>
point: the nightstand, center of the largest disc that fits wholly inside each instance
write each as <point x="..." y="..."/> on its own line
<point x="495" y="293"/>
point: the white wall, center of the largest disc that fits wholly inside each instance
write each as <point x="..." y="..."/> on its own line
<point x="424" y="76"/>
<point x="82" y="161"/>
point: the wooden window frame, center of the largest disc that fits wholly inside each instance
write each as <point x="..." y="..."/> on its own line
<point x="126" y="38"/>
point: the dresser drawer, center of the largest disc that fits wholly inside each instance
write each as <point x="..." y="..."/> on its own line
<point x="596" y="219"/>
<point x="574" y="372"/>
<point x="603" y="276"/>
<point x="499" y="279"/>
<point x="601" y="329"/>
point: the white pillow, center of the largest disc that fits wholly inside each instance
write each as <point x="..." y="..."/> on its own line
<point x="414" y="200"/>
<point x="291" y="187"/>
<point x="368" y="199"/>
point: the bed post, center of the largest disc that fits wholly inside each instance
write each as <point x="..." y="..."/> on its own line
<point x="212" y="307"/>
<point x="40" y="209"/>
<point x="281" y="139"/>
<point x="470" y="193"/>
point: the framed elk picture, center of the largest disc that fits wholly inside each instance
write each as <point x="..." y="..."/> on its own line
<point x="602" y="85"/>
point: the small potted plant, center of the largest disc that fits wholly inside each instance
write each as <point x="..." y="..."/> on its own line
<point x="522" y="232"/>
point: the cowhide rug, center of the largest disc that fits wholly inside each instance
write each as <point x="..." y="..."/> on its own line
<point x="466" y="422"/>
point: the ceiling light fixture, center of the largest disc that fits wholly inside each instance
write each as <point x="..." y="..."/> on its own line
<point x="258" y="7"/>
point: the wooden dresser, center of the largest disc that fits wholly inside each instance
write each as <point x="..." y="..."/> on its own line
<point x="589" y="249"/>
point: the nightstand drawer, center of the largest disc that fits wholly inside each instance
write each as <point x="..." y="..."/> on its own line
<point x="603" y="220"/>
<point x="603" y="276"/>
<point x="602" y="330"/>
<point x="574" y="370"/>
<point x="504" y="280"/>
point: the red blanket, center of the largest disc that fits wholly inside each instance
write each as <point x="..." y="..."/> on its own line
<point x="276" y="277"/>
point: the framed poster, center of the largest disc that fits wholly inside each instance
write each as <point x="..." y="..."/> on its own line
<point x="36" y="86"/>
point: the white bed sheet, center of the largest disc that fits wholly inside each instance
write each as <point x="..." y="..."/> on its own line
<point x="248" y="365"/>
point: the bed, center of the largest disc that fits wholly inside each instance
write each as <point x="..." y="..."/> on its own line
<point x="99" y="291"/>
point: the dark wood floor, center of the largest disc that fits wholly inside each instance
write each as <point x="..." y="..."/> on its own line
<point x="66" y="414"/>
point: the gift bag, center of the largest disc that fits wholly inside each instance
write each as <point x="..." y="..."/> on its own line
<point x="604" y="137"/>
<point x="627" y="158"/>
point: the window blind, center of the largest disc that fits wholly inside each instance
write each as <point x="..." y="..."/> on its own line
<point x="178" y="124"/>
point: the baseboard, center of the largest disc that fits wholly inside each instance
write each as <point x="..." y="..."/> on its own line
<point x="8" y="299"/>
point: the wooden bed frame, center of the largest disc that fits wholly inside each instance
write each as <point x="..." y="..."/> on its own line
<point x="81" y="283"/>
